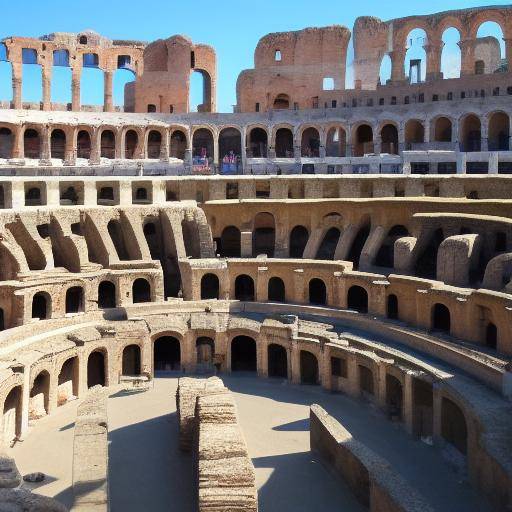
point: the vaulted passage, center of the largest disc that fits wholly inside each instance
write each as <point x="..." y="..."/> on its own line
<point x="357" y="299"/>
<point x="423" y="408"/>
<point x="83" y="145"/>
<point x="67" y="383"/>
<point x="392" y="307"/>
<point x="284" y="143"/>
<point x="131" y="360"/>
<point x="96" y="369"/>
<point x="277" y="361"/>
<point x="230" y="243"/>
<point x="426" y="264"/>
<point x="276" y="290"/>
<point x="209" y="287"/>
<point x="394" y="397"/>
<point x="106" y="295"/>
<point x="141" y="291"/>
<point x="41" y="306"/>
<point x="115" y="231"/>
<point x="244" y="288"/>
<point x="12" y="414"/>
<point x="75" y="299"/>
<point x="6" y="143"/>
<point x="58" y="144"/>
<point x="317" y="292"/>
<point x="328" y="246"/>
<point x="441" y="318"/>
<point x="366" y="384"/>
<point x="154" y="144"/>
<point x="264" y="235"/>
<point x="308" y="368"/>
<point x="166" y="354"/>
<point x="243" y="354"/>
<point x="31" y="144"/>
<point x="39" y="396"/>
<point x="258" y="141"/>
<point x="357" y="245"/>
<point x="108" y="144"/>
<point x="298" y="240"/>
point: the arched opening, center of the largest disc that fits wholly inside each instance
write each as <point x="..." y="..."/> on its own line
<point x="202" y="147"/>
<point x="200" y="95"/>
<point x="416" y="57"/>
<point x="414" y="134"/>
<point x="441" y="318"/>
<point x="122" y="77"/>
<point x="96" y="369"/>
<point x="392" y="307"/>
<point x="58" y="144"/>
<point x="389" y="138"/>
<point x="67" y="382"/>
<point x="75" y="299"/>
<point x="317" y="292"/>
<point x="277" y="361"/>
<point x="166" y="354"/>
<point x="106" y="295"/>
<point x="244" y="288"/>
<point x="499" y="132"/>
<point x="83" y="145"/>
<point x="426" y="264"/>
<point x="310" y="143"/>
<point x="230" y="243"/>
<point x="276" y="290"/>
<point x="284" y="143"/>
<point x="141" y="196"/>
<point x="108" y="144"/>
<point x="131" y="364"/>
<point x="394" y="397"/>
<point x="92" y="81"/>
<point x="32" y="83"/>
<point x="263" y="235"/>
<point x="141" y="291"/>
<point x="243" y="354"/>
<point x="5" y="75"/>
<point x="209" y="287"/>
<point x="298" y="240"/>
<point x="115" y="231"/>
<point x="336" y="142"/>
<point x="230" y="149"/>
<point x="281" y="102"/>
<point x="385" y="256"/>
<point x="33" y="196"/>
<point x="327" y="248"/>
<point x="442" y="130"/>
<point x="154" y="144"/>
<point x="366" y="383"/>
<point x="6" y="143"/>
<point x="308" y="368"/>
<point x="491" y="336"/>
<point x="41" y="306"/>
<point x="205" y="349"/>
<point x="131" y="140"/>
<point x="490" y="47"/>
<point x="423" y="408"/>
<point x="357" y="246"/>
<point x="451" y="55"/>
<point x="471" y="134"/>
<point x="385" y="70"/>
<point x="357" y="299"/>
<point x="12" y="415"/>
<point x="363" y="140"/>
<point x="258" y="142"/>
<point x="61" y="78"/>
<point x="453" y="425"/>
<point x="31" y="144"/>
<point x="178" y="145"/>
<point x="39" y="396"/>
<point x="152" y="236"/>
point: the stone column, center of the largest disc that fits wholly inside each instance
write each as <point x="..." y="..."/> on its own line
<point x="352" y="377"/>
<point x="76" y="74"/>
<point x="434" y="51"/>
<point x="95" y="158"/>
<point x="17" y="143"/>
<point x="295" y="360"/>
<point x="262" y="355"/>
<point x="17" y="81"/>
<point x="408" y="403"/>
<point x="25" y="400"/>
<point x="70" y="153"/>
<point x="108" y="101"/>
<point x="46" y="70"/>
<point x="298" y="286"/>
<point x="164" y="148"/>
<point x="262" y="285"/>
<point x="216" y="156"/>
<point x="324" y="364"/>
<point x="397" y="65"/>
<point x="246" y="244"/>
<point x="381" y="384"/>
<point x="508" y="51"/>
<point x="45" y="147"/>
<point x="467" y="55"/>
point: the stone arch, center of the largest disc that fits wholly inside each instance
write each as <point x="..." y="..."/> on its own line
<point x="317" y="292"/>
<point x="154" y="144"/>
<point x="284" y="142"/>
<point x="336" y="142"/>
<point x="6" y="143"/>
<point x="178" y="144"/>
<point x="230" y="242"/>
<point x="470" y="133"/>
<point x="327" y="248"/>
<point x="309" y="373"/>
<point x="277" y="361"/>
<point x="131" y="144"/>
<point x="441" y="319"/>
<point x="454" y="427"/>
<point x="205" y="349"/>
<point x="141" y="290"/>
<point x="450" y="36"/>
<point x="357" y="299"/>
<point x="310" y="142"/>
<point x="257" y="142"/>
<point x="83" y="144"/>
<point x="415" y="62"/>
<point x="243" y="354"/>
<point x="31" y="143"/>
<point x="499" y="132"/>
<point x="442" y="129"/>
<point x="299" y="237"/>
<point x="276" y="290"/>
<point x="281" y="102"/>
<point x="366" y="380"/>
<point x="108" y="144"/>
<point x="75" y="299"/>
<point x="230" y="146"/>
<point x="389" y="139"/>
<point x="41" y="306"/>
<point x="12" y="414"/>
<point x="202" y="145"/>
<point x="414" y="134"/>
<point x="131" y="360"/>
<point x="67" y="380"/>
<point x="107" y="295"/>
<point x="358" y="243"/>
<point x="244" y="288"/>
<point x="97" y="368"/>
<point x="39" y="395"/>
<point x="264" y="234"/>
<point x="362" y="142"/>
<point x="209" y="287"/>
<point x="58" y="144"/>
<point x="385" y="256"/>
<point x="166" y="354"/>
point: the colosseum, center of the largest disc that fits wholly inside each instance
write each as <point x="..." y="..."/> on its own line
<point x="304" y="304"/>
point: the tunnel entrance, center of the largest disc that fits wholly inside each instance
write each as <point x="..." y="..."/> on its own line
<point x="243" y="354"/>
<point x="166" y="354"/>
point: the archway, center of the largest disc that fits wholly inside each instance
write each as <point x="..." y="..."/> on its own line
<point x="243" y="354"/>
<point x="12" y="415"/>
<point x="442" y="130"/>
<point x="108" y="144"/>
<point x="166" y="354"/>
<point x="202" y="146"/>
<point x="58" y="144"/>
<point x="281" y="102"/>
<point x="209" y="287"/>
<point x="394" y="397"/>
<point x="31" y="144"/>
<point x="106" y="295"/>
<point x="310" y="143"/>
<point x="141" y="290"/>
<point x="75" y="299"/>
<point x="426" y="264"/>
<point x="490" y="47"/>
<point x="131" y="364"/>
<point x="258" y="142"/>
<point x="414" y="134"/>
<point x="499" y="132"/>
<point x="470" y="133"/>
<point x="244" y="288"/>
<point x="230" y="242"/>
<point x="363" y="140"/>
<point x="423" y="408"/>
<point x="122" y="78"/>
<point x="6" y="143"/>
<point x="336" y="142"/>
<point x="441" y="318"/>
<point x="415" y="63"/>
<point x="264" y="235"/>
<point x="205" y="348"/>
<point x="385" y="256"/>
<point x="41" y="306"/>
<point x="308" y="368"/>
<point x="154" y="144"/>
<point x="131" y="141"/>
<point x="357" y="299"/>
<point x="96" y="369"/>
<point x="451" y="54"/>
<point x="276" y="290"/>
<point x="385" y="69"/>
<point x="284" y="143"/>
<point x="67" y="382"/>
<point x="299" y="237"/>
<point x="453" y="425"/>
<point x="389" y="139"/>
<point x="39" y="396"/>
<point x="358" y="244"/>
<point x="178" y="145"/>
<point x="392" y="307"/>
<point x="277" y="361"/>
<point x="317" y="292"/>
<point x="230" y="149"/>
<point x="327" y="248"/>
<point x="491" y="336"/>
<point x="83" y="145"/>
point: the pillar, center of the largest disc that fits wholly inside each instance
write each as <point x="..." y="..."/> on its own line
<point x="70" y="153"/>
<point x="262" y="355"/>
<point x="17" y="80"/>
<point x="298" y="286"/>
<point x="295" y="360"/>
<point x="397" y="65"/>
<point x="467" y="56"/>
<point x="47" y="85"/>
<point x="95" y="158"/>
<point x="246" y="244"/>
<point x="381" y="384"/>
<point x="262" y="285"/>
<point x="438" y="401"/>
<point x="164" y="148"/>
<point x="108" y="101"/>
<point x="408" y="403"/>
<point x="76" y="75"/>
<point x="508" y="50"/>
<point x="17" y="143"/>
<point x="45" y="155"/>
<point x="434" y="51"/>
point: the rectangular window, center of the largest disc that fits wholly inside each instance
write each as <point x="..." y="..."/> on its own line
<point x="381" y="101"/>
<point x="257" y="107"/>
<point x="338" y="367"/>
<point x="28" y="56"/>
<point x="61" y="58"/>
<point x="334" y="103"/>
<point x="90" y="60"/>
<point x="277" y="56"/>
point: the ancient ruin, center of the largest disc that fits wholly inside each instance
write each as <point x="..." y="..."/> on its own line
<point x="179" y="287"/>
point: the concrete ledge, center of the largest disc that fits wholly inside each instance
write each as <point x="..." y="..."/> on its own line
<point x="370" y="477"/>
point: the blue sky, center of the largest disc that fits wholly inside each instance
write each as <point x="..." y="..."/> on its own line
<point x="232" y="27"/>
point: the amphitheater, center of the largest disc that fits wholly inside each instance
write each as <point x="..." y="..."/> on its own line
<point x="304" y="304"/>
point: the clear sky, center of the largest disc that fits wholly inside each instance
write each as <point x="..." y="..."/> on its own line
<point x="232" y="27"/>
